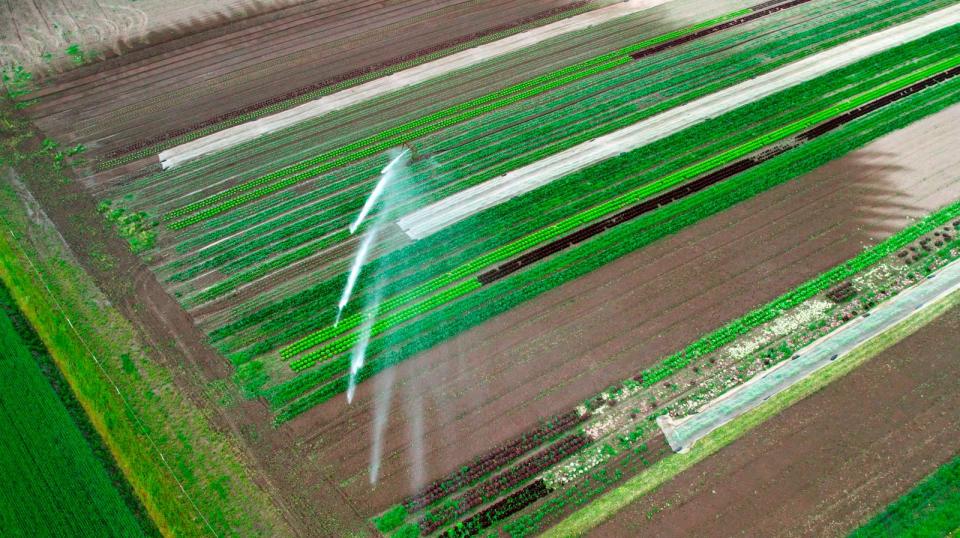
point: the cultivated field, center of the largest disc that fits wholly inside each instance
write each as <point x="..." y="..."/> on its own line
<point x="57" y="485"/>
<point x="495" y="381"/>
<point x="827" y="464"/>
<point x="437" y="268"/>
<point x="257" y="262"/>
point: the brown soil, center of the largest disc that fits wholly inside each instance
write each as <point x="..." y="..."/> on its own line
<point x="548" y="355"/>
<point x="828" y="463"/>
<point x="139" y="96"/>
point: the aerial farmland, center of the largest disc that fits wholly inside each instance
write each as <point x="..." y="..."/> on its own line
<point x="453" y="268"/>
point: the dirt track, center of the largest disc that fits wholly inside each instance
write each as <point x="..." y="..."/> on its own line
<point x="547" y="355"/>
<point x="828" y="463"/>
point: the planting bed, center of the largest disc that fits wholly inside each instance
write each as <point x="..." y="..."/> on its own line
<point x="827" y="464"/>
<point x="56" y="483"/>
<point x="128" y="101"/>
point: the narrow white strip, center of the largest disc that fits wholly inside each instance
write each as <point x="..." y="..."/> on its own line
<point x="437" y="216"/>
<point x="248" y="131"/>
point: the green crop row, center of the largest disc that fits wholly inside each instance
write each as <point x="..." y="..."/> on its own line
<point x="289" y="218"/>
<point x="503" y="295"/>
<point x="446" y="117"/>
<point x="276" y="209"/>
<point x="279" y="262"/>
<point x="508" y="251"/>
<point x="555" y="131"/>
<point x="387" y="323"/>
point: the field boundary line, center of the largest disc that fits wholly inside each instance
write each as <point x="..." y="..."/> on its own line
<point x="109" y="378"/>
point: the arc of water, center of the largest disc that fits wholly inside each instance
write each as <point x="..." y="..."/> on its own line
<point x="386" y="175"/>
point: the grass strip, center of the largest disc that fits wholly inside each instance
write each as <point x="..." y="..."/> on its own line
<point x="55" y="484"/>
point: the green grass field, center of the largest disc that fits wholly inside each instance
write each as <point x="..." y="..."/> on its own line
<point x="54" y="485"/>
<point x="930" y="509"/>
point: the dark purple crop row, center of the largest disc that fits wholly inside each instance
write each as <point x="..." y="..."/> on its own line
<point x="501" y="510"/>
<point x="494" y="487"/>
<point x="493" y="460"/>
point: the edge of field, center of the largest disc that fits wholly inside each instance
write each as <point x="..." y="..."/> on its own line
<point x="40" y="361"/>
<point x="930" y="508"/>
<point x="605" y="507"/>
<point x="187" y="473"/>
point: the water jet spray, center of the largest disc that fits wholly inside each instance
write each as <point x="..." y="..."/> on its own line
<point x="386" y="175"/>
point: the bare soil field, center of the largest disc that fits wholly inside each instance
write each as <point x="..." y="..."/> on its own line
<point x="30" y="29"/>
<point x="182" y="81"/>
<point x="548" y="355"/>
<point x="828" y="463"/>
